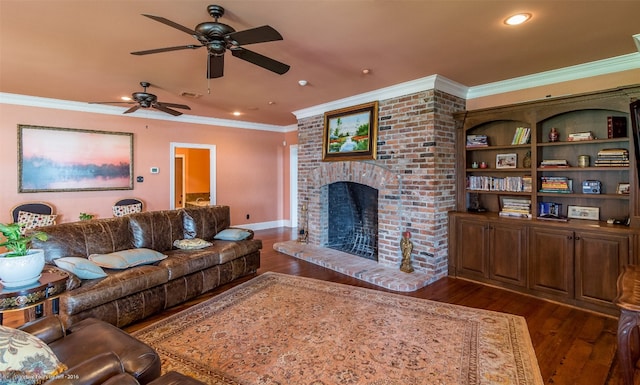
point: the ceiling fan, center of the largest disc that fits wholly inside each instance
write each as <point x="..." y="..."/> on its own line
<point x="145" y="100"/>
<point x="219" y="37"/>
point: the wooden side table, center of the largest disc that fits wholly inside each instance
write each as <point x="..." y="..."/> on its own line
<point x="50" y="285"/>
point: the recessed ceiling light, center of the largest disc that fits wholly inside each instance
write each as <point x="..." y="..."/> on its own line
<point x="366" y="71"/>
<point x="517" y="19"/>
<point x="126" y="98"/>
<point x="271" y="103"/>
<point x="237" y="113"/>
<point x="302" y="82"/>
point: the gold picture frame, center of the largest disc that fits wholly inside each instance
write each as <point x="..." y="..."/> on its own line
<point x="351" y="133"/>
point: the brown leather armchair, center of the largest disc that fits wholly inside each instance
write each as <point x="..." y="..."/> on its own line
<point x="96" y="351"/>
<point x="106" y="369"/>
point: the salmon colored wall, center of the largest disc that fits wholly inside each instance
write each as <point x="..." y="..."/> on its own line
<point x="249" y="164"/>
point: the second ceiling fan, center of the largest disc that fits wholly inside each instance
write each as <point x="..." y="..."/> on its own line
<point x="219" y="37"/>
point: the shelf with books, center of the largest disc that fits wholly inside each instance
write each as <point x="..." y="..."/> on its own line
<point x="581" y="141"/>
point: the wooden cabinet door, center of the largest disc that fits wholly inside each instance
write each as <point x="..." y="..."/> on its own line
<point x="472" y="248"/>
<point x="551" y="261"/>
<point x="599" y="261"/>
<point x="508" y="253"/>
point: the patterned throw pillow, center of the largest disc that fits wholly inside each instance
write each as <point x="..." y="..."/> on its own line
<point x="191" y="244"/>
<point x="26" y="359"/>
<point x="120" y="211"/>
<point x="33" y="220"/>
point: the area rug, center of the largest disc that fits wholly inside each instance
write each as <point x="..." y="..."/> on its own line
<point x="281" y="329"/>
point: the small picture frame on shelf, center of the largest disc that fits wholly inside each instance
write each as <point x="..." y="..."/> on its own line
<point x="623" y="188"/>
<point x="506" y="160"/>
<point x="583" y="212"/>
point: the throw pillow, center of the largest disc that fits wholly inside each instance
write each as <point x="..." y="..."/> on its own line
<point x="25" y="359"/>
<point x="127" y="258"/>
<point x="191" y="244"/>
<point x="33" y="220"/>
<point x="120" y="211"/>
<point x="81" y="267"/>
<point x="233" y="235"/>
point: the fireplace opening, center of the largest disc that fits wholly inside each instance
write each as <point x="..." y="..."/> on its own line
<point x="353" y="219"/>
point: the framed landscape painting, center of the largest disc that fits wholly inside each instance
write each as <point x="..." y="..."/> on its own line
<point x="65" y="159"/>
<point x="350" y="133"/>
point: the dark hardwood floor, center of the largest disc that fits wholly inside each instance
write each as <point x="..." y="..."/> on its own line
<point x="572" y="346"/>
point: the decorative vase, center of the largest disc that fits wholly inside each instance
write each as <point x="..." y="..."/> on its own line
<point x="526" y="161"/>
<point x="21" y="271"/>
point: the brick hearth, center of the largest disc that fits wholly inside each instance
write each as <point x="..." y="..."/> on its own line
<point x="414" y="173"/>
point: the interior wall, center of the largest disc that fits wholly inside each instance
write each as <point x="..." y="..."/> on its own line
<point x="249" y="162"/>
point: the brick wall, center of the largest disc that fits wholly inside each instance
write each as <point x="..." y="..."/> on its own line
<point x="414" y="173"/>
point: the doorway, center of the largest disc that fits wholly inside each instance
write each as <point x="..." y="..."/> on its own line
<point x="293" y="185"/>
<point x="203" y="153"/>
<point x="179" y="167"/>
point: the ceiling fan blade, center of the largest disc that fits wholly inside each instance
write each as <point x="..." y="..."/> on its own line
<point x="132" y="109"/>
<point x="173" y="24"/>
<point x="174" y="105"/>
<point x="167" y="49"/>
<point x="162" y="108"/>
<point x="111" y="102"/>
<point x="260" y="60"/>
<point x="255" y="35"/>
<point x="215" y="66"/>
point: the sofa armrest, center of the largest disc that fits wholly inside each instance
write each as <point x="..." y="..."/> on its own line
<point x="95" y="370"/>
<point x="48" y="329"/>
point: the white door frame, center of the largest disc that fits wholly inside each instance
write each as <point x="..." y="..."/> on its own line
<point x="172" y="171"/>
<point x="184" y="181"/>
<point x="293" y="185"/>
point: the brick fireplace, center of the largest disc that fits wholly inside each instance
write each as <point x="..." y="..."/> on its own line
<point x="414" y="174"/>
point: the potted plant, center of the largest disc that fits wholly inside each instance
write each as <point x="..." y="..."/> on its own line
<point x="21" y="265"/>
<point x="86" y="216"/>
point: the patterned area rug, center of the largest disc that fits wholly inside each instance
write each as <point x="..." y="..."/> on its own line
<point x="281" y="329"/>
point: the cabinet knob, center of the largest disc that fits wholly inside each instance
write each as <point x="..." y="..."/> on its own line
<point x="570" y="237"/>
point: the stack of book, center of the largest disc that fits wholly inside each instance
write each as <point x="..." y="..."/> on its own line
<point x="613" y="157"/>
<point x="521" y="135"/>
<point x="580" y="136"/>
<point x="554" y="163"/>
<point x="477" y="141"/>
<point x="556" y="184"/>
<point x="490" y="183"/>
<point x="516" y="208"/>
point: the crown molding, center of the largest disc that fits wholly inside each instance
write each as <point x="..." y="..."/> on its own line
<point x="600" y="67"/>
<point x="427" y="83"/>
<point x="36" y="101"/>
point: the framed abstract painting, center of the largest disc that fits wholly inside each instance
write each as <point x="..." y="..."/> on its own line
<point x="65" y="159"/>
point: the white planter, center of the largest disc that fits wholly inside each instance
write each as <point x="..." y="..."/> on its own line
<point x="21" y="271"/>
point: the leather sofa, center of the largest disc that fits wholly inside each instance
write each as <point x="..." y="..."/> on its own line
<point x="98" y="353"/>
<point x="132" y="294"/>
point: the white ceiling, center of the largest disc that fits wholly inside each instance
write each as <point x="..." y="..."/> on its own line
<point x="80" y="50"/>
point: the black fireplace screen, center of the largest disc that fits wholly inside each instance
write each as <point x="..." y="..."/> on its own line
<point x="353" y="219"/>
